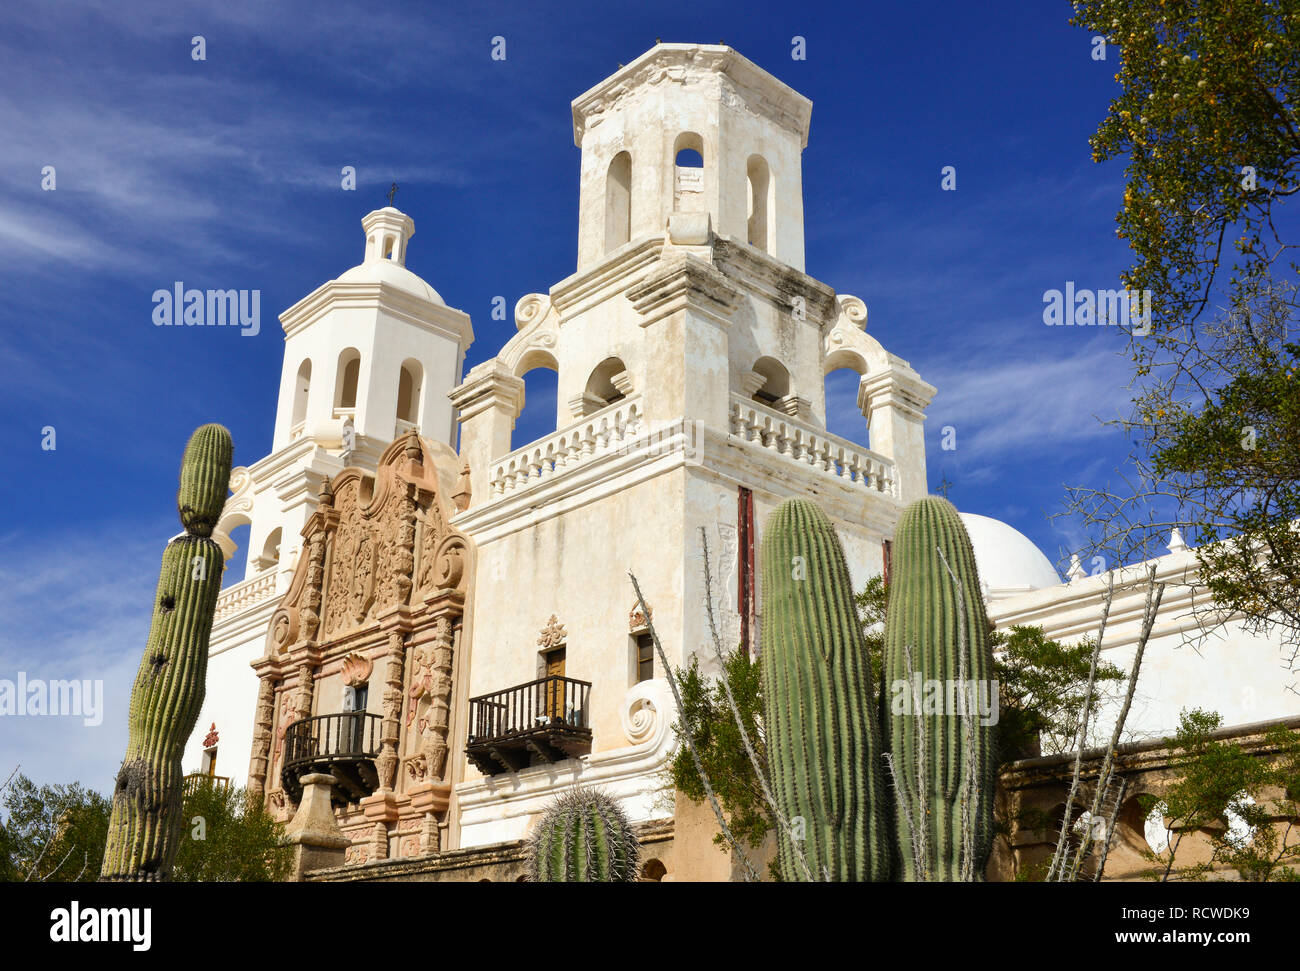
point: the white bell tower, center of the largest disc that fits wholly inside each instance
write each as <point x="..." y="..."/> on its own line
<point x="367" y="356"/>
<point x="689" y="128"/>
<point x="377" y="347"/>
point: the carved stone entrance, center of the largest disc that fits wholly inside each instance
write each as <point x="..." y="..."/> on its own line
<point x="382" y="588"/>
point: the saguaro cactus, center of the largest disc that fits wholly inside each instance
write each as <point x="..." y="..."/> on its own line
<point x="584" y="838"/>
<point x="145" y="828"/>
<point x="937" y="669"/>
<point x="823" y="739"/>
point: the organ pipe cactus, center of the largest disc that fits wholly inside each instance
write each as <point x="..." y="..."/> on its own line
<point x="145" y="828"/>
<point x="823" y="739"/>
<point x="939" y="671"/>
<point x="584" y="837"/>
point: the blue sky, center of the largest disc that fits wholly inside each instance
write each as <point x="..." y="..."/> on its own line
<point x="224" y="173"/>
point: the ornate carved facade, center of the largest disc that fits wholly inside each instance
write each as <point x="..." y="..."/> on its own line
<point x="375" y="608"/>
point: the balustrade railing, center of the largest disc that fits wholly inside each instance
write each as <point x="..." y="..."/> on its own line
<point x="245" y="594"/>
<point x="594" y="435"/>
<point x="786" y="436"/>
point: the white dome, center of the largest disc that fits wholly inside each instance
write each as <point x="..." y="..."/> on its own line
<point x="1008" y="562"/>
<point x="394" y="274"/>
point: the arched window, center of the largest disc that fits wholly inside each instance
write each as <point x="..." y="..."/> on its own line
<point x="775" y="383"/>
<point x="618" y="202"/>
<point x="349" y="374"/>
<point x="540" y="372"/>
<point x="301" y="388"/>
<point x="653" y="872"/>
<point x="409" y="392"/>
<point x="270" y="551"/>
<point x="844" y="371"/>
<point x="238" y="528"/>
<point x="760" y="203"/>
<point x="608" y="383"/>
<point x="688" y="172"/>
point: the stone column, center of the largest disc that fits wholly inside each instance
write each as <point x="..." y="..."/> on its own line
<point x="489" y="400"/>
<point x="686" y="306"/>
<point x="894" y="401"/>
<point x="262" y="734"/>
<point x="391" y="724"/>
<point x="313" y="832"/>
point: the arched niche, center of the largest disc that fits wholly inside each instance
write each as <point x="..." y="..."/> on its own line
<point x="618" y="202"/>
<point x="761" y="210"/>
<point x="609" y="382"/>
<point x="772" y="380"/>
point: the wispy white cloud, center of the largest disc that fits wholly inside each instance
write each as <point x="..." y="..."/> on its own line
<point x="1000" y="405"/>
<point x="74" y="606"/>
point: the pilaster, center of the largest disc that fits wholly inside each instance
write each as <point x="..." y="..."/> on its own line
<point x="489" y="401"/>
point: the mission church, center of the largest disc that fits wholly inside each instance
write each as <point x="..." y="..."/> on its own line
<point x="436" y="632"/>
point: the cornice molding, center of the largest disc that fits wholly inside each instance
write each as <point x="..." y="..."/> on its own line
<point x="687" y="283"/>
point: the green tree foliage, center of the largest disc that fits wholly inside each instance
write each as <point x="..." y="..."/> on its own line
<point x="1217" y="777"/>
<point x="57" y="833"/>
<point x="1244" y="445"/>
<point x="718" y="742"/>
<point x="52" y="833"/>
<point x="1206" y="118"/>
<point x="228" y="837"/>
<point x="1207" y="88"/>
<point x="1043" y="685"/>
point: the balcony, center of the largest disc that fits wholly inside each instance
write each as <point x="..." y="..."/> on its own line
<point x="543" y="721"/>
<point x="344" y="746"/>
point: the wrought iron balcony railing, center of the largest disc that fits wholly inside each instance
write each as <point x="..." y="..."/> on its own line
<point x="545" y="720"/>
<point x="344" y="745"/>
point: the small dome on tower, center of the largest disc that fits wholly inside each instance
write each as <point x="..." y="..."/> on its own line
<point x="1008" y="562"/>
<point x="388" y="231"/>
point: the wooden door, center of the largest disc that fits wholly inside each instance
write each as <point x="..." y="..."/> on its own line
<point x="555" y="689"/>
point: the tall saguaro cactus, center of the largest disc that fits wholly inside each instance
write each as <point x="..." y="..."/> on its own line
<point x="146" y="824"/>
<point x="937" y="652"/>
<point x="584" y="838"/>
<point x="823" y="740"/>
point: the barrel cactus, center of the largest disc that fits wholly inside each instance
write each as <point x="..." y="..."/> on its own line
<point x="938" y="672"/>
<point x="584" y="837"/>
<point x="823" y="737"/>
<point x="145" y="828"/>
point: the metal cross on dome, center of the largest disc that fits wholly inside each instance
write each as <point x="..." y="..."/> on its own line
<point x="392" y="191"/>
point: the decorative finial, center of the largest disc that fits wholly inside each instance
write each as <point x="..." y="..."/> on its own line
<point x="413" y="450"/>
<point x="461" y="497"/>
<point x="392" y="191"/>
<point x="326" y="492"/>
<point x="1076" y="571"/>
